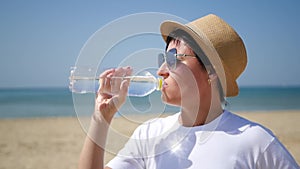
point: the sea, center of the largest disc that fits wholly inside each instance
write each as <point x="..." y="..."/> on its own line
<point x="60" y="102"/>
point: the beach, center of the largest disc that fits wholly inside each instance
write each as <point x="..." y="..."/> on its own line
<point x="56" y="142"/>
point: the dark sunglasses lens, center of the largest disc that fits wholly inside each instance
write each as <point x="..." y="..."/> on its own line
<point x="174" y="51"/>
<point x="160" y="59"/>
<point x="171" y="58"/>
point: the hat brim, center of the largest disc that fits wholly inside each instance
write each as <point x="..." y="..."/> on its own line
<point x="229" y="85"/>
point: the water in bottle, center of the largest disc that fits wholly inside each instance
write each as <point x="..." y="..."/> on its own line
<point x="141" y="84"/>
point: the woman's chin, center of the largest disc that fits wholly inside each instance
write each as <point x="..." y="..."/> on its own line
<point x="169" y="101"/>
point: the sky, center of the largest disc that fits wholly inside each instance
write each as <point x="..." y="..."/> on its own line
<point x="40" y="40"/>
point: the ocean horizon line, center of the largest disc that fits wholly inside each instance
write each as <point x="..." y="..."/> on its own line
<point x="66" y="87"/>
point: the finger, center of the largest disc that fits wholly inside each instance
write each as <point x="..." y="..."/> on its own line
<point x="128" y="71"/>
<point x="124" y="89"/>
<point x="123" y="71"/>
<point x="103" y="79"/>
<point x="106" y="73"/>
<point x="111" y="85"/>
<point x="119" y="100"/>
<point x="116" y="82"/>
<point x="119" y="71"/>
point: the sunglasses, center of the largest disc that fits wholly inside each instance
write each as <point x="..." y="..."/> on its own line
<point x="171" y="58"/>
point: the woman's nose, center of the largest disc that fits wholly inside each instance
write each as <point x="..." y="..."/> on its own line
<point x="163" y="71"/>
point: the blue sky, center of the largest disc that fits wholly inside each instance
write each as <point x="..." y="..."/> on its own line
<point x="40" y="40"/>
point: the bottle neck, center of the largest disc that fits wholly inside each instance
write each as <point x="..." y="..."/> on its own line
<point x="159" y="83"/>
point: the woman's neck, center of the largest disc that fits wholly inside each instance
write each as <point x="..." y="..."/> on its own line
<point x="191" y="118"/>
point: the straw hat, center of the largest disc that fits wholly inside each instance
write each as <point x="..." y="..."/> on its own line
<point x="221" y="44"/>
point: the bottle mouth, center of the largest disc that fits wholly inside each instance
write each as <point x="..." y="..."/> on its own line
<point x="159" y="83"/>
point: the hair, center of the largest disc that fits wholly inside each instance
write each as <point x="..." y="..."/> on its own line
<point x="200" y="55"/>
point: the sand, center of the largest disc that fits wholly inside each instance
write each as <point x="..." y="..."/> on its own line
<point x="55" y="143"/>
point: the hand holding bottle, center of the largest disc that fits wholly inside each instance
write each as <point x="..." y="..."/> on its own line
<point x="106" y="103"/>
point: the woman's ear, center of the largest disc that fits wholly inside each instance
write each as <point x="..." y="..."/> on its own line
<point x="212" y="77"/>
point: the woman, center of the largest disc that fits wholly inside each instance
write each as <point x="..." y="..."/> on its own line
<point x="203" y="59"/>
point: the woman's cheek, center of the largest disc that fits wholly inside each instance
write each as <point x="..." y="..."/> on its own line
<point x="185" y="80"/>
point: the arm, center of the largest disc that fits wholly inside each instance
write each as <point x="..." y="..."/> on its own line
<point x="91" y="156"/>
<point x="106" y="105"/>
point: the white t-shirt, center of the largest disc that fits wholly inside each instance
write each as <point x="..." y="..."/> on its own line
<point x="228" y="142"/>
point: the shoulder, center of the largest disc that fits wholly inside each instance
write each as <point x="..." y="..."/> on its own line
<point x="252" y="131"/>
<point x="236" y="122"/>
<point x="256" y="141"/>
